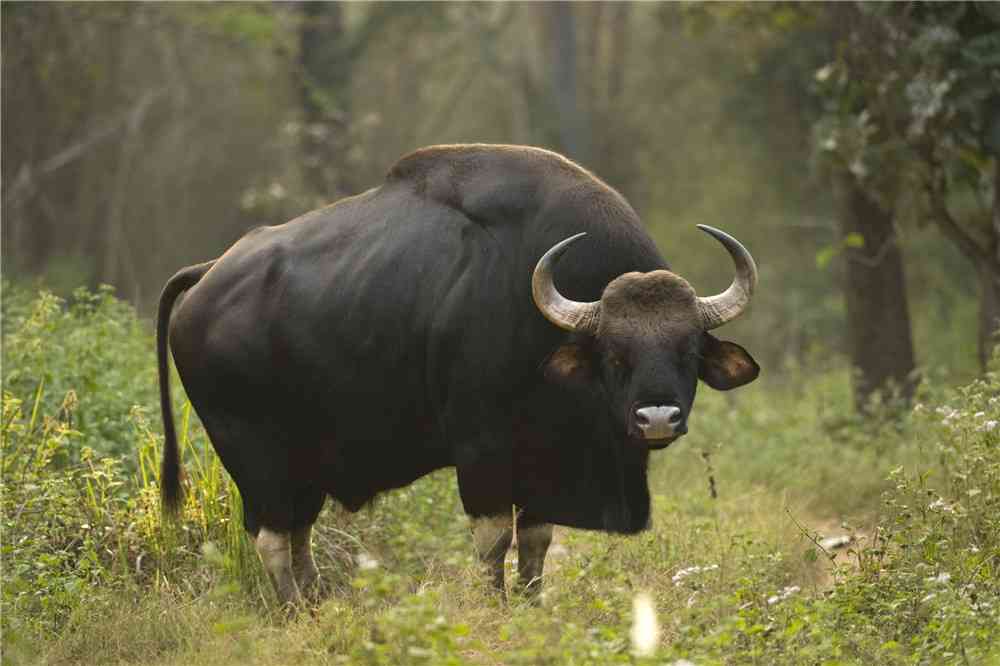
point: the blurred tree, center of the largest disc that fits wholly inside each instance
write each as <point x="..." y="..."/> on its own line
<point x="878" y="318"/>
<point x="140" y="138"/>
<point x="725" y="134"/>
<point x="605" y="71"/>
<point x="325" y="73"/>
<point x="880" y="343"/>
<point x="786" y="46"/>
<point x="913" y="112"/>
<point x="328" y="55"/>
<point x="570" y="114"/>
<point x="128" y="127"/>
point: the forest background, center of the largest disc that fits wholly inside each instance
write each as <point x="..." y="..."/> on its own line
<point x="846" y="146"/>
<point x="852" y="147"/>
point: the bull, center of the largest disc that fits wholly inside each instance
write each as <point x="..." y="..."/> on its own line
<point x="431" y="322"/>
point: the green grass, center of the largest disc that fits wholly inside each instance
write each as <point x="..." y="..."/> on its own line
<point x="91" y="575"/>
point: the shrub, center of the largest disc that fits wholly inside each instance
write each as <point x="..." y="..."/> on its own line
<point x="92" y="345"/>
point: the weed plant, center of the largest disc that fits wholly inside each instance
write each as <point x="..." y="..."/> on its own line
<point x="735" y="565"/>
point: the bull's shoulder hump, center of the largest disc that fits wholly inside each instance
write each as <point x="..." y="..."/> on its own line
<point x="423" y="161"/>
<point x="490" y="182"/>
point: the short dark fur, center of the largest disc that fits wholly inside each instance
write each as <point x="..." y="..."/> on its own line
<point x="366" y="344"/>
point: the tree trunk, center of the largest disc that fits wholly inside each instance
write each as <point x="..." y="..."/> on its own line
<point x="878" y="318"/>
<point x="619" y="47"/>
<point x="325" y="95"/>
<point x="989" y="281"/>
<point x="592" y="70"/>
<point x="618" y="155"/>
<point x="571" y="117"/>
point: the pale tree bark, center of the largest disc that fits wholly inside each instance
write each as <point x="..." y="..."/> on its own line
<point x="878" y="320"/>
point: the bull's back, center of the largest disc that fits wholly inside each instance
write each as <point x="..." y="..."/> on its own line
<point x="343" y="317"/>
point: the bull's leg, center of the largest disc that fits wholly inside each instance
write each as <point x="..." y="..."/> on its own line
<point x="532" y="544"/>
<point x="275" y="551"/>
<point x="492" y="536"/>
<point x="485" y="488"/>
<point x="303" y="566"/>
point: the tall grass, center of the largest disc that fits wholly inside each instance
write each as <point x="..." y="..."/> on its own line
<point x="734" y="563"/>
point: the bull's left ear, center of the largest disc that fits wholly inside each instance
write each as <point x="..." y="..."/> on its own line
<point x="725" y="365"/>
<point x="569" y="366"/>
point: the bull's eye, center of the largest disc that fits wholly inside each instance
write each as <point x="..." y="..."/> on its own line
<point x="617" y="362"/>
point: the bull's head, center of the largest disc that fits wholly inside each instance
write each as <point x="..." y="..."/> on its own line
<point x="645" y="344"/>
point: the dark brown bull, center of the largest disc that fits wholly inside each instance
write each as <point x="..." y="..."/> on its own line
<point x="368" y="343"/>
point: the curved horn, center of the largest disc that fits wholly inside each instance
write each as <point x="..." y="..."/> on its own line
<point x="730" y="304"/>
<point x="561" y="311"/>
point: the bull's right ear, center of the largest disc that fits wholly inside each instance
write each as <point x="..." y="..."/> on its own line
<point x="725" y="365"/>
<point x="569" y="366"/>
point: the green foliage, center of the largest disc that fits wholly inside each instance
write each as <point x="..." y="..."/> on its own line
<point x="922" y="588"/>
<point x="733" y="564"/>
<point x="411" y="631"/>
<point x="697" y="113"/>
<point x="828" y="253"/>
<point x="93" y="345"/>
<point x="71" y="527"/>
<point x="909" y="94"/>
<point x="254" y="25"/>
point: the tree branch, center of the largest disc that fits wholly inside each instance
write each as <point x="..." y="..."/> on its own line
<point x="950" y="227"/>
<point x="25" y="180"/>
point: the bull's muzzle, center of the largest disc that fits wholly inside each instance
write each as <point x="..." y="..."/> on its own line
<point x="660" y="422"/>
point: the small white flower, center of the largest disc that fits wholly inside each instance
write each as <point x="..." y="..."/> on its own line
<point x="690" y="571"/>
<point x="365" y="561"/>
<point x="940" y="579"/>
<point x="824" y="72"/>
<point x="988" y="426"/>
<point x="645" y="627"/>
<point x="784" y="594"/>
<point x="940" y="505"/>
<point x="979" y="415"/>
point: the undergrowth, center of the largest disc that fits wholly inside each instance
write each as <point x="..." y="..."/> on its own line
<point x="735" y="566"/>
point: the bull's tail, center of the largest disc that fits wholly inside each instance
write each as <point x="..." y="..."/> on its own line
<point x="170" y="470"/>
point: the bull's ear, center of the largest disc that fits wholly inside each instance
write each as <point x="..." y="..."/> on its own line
<point x="569" y="365"/>
<point x="725" y="365"/>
